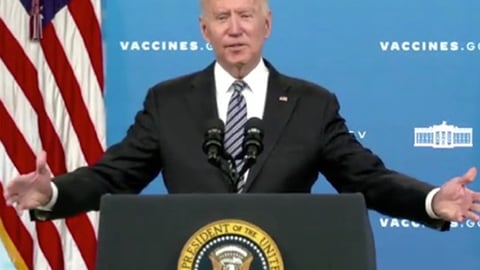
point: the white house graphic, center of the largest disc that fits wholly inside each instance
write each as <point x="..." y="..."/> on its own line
<point x="443" y="136"/>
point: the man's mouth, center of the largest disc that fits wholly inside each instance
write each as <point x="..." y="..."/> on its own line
<point x="235" y="45"/>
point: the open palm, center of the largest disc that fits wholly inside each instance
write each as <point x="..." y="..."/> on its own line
<point x="30" y="190"/>
<point x="455" y="202"/>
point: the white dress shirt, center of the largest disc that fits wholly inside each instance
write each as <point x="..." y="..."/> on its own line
<point x="255" y="93"/>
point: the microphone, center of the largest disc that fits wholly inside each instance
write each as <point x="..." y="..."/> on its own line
<point x="213" y="147"/>
<point x="213" y="143"/>
<point x="252" y="143"/>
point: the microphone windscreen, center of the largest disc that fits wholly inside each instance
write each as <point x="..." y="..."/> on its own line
<point x="254" y="123"/>
<point x="215" y="124"/>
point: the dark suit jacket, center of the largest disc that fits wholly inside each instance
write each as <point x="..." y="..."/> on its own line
<point x="304" y="135"/>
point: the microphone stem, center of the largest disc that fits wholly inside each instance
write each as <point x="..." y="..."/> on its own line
<point x="229" y="170"/>
<point x="248" y="164"/>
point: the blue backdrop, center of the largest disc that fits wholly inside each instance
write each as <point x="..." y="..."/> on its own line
<point x="405" y="72"/>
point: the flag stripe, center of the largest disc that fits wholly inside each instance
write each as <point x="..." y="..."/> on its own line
<point x="70" y="83"/>
<point x="80" y="227"/>
<point x="12" y="96"/>
<point x="18" y="63"/>
<point x="16" y="147"/>
<point x="48" y="238"/>
<point x="20" y="246"/>
<point x="86" y="20"/>
<point x="97" y="8"/>
<point x="71" y="93"/>
<point x="82" y="232"/>
<point x="15" y="143"/>
<point x="8" y="172"/>
<point x="76" y="54"/>
<point x="49" y="241"/>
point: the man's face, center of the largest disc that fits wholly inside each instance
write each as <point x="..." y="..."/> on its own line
<point x="236" y="29"/>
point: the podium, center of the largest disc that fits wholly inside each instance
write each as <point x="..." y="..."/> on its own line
<point x="224" y="231"/>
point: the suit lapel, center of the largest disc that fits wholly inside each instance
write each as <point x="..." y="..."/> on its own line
<point x="279" y="105"/>
<point x="201" y="100"/>
<point x="202" y="107"/>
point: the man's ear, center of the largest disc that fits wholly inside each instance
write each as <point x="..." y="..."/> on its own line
<point x="203" y="29"/>
<point x="268" y="24"/>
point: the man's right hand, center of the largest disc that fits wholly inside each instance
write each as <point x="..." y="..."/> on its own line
<point x="32" y="190"/>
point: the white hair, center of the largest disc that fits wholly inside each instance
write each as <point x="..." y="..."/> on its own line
<point x="264" y="3"/>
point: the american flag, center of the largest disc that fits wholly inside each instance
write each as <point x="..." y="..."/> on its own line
<point x="51" y="98"/>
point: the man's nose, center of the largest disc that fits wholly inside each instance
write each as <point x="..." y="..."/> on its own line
<point x="234" y="28"/>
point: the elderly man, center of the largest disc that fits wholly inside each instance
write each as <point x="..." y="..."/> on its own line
<point x="304" y="135"/>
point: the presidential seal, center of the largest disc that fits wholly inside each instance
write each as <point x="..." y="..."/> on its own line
<point x="230" y="244"/>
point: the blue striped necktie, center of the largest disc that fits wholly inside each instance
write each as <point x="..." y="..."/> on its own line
<point x="236" y="119"/>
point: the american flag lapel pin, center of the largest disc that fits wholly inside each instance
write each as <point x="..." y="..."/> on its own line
<point x="283" y="98"/>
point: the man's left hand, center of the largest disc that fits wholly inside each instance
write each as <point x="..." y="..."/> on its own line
<point x="455" y="202"/>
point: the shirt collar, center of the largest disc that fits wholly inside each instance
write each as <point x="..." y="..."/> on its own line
<point x="224" y="80"/>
